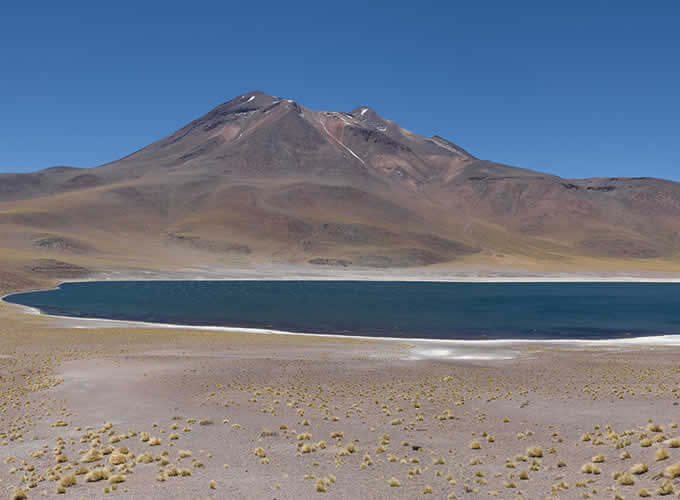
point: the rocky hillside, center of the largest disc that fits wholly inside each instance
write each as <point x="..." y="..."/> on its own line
<point x="265" y="179"/>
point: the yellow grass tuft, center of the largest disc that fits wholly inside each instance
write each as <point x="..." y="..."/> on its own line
<point x="97" y="475"/>
<point x="639" y="469"/>
<point x="18" y="494"/>
<point x="661" y="454"/>
<point x="666" y="488"/>
<point x="68" y="481"/>
<point x="644" y="493"/>
<point x="672" y="471"/>
<point x="117" y="458"/>
<point x="320" y="486"/>
<point x="145" y="458"/>
<point x="590" y="468"/>
<point x="598" y="459"/>
<point x="427" y="490"/>
<point x="91" y="456"/>
<point x="394" y="482"/>
<point x="475" y="445"/>
<point x="626" y="479"/>
<point x="654" y="428"/>
<point x="212" y="484"/>
<point x="117" y="478"/>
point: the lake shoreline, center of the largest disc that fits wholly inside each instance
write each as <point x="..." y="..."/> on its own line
<point x="145" y="380"/>
<point x="439" y="346"/>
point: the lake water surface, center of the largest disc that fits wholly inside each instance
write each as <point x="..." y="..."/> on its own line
<point x="381" y="309"/>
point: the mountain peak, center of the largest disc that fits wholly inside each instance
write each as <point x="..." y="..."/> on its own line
<point x="264" y="177"/>
<point x="365" y="113"/>
<point x="255" y="99"/>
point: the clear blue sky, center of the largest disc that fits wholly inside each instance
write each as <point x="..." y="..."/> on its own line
<point x="587" y="88"/>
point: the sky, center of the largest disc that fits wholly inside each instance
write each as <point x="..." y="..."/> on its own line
<point x="578" y="88"/>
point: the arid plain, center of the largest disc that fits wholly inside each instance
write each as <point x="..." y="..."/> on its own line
<point x="98" y="408"/>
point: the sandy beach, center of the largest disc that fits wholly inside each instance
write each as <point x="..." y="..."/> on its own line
<point x="123" y="410"/>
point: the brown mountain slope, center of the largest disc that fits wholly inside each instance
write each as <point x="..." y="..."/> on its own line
<point x="263" y="179"/>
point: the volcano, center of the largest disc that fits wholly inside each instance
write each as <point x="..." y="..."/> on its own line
<point x="264" y="179"/>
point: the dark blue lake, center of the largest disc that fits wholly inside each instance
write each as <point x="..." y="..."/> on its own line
<point x="381" y="309"/>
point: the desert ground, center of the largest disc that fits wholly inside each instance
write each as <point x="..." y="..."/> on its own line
<point x="120" y="410"/>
